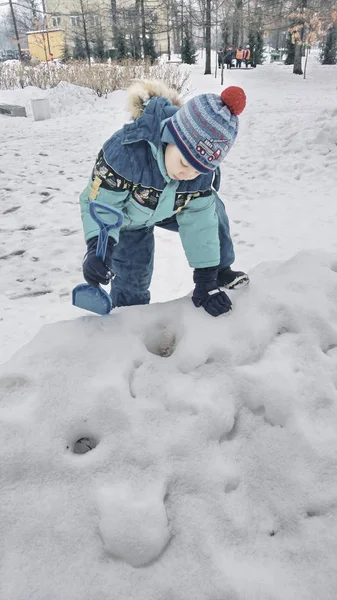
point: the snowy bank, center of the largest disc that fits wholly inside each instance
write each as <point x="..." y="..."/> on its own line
<point x="214" y="471"/>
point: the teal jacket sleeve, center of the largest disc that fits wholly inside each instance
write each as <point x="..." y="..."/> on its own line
<point x="110" y="184"/>
<point x="199" y="232"/>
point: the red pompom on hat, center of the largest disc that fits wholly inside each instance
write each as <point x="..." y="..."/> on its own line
<point x="235" y="98"/>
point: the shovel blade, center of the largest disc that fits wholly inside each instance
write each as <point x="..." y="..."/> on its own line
<point x="93" y="299"/>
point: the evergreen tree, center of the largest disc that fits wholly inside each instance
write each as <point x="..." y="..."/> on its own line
<point x="188" y="49"/>
<point x="251" y="42"/>
<point x="136" y="41"/>
<point x="149" y="47"/>
<point x="258" y="51"/>
<point x="135" y="45"/>
<point x="98" y="48"/>
<point x="329" y="51"/>
<point x="79" y="49"/>
<point x="66" y="56"/>
<point x="290" y="49"/>
<point x="255" y="41"/>
<point x="122" y="46"/>
<point x="259" y="59"/>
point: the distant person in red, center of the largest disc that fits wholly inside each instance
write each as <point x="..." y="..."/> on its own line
<point x="246" y="55"/>
<point x="239" y="57"/>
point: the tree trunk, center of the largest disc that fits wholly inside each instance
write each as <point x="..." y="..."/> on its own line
<point x="175" y="28"/>
<point x="34" y="11"/>
<point x="208" y="22"/>
<point x="216" y="44"/>
<point x="297" y="70"/>
<point x="142" y="15"/>
<point x="168" y="31"/>
<point x="114" y="21"/>
<point x="45" y="26"/>
<point x="85" y="32"/>
<point x="16" y="30"/>
<point x="137" y="44"/>
<point x="237" y="24"/>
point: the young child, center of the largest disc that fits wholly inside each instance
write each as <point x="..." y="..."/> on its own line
<point x="158" y="171"/>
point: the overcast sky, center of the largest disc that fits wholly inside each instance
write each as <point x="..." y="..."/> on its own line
<point x="4" y="5"/>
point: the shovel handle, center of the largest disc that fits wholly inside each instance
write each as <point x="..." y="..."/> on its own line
<point x="104" y="227"/>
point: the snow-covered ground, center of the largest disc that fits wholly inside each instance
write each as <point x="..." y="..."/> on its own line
<point x="214" y="474"/>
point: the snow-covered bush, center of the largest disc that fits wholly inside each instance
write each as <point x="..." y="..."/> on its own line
<point x="102" y="78"/>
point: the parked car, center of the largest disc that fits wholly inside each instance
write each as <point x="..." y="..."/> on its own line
<point x="14" y="55"/>
<point x="9" y="55"/>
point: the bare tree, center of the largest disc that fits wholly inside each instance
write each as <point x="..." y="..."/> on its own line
<point x="114" y="19"/>
<point x="208" y="25"/>
<point x="28" y="15"/>
<point x="15" y="28"/>
<point x="84" y="14"/>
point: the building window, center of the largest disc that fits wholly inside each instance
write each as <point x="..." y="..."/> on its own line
<point x="56" y="21"/>
<point x="75" y="21"/>
<point x="95" y="20"/>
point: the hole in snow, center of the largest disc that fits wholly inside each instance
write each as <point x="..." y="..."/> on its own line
<point x="27" y="228"/>
<point x="313" y="513"/>
<point x="259" y="411"/>
<point x="231" y="485"/>
<point x="84" y="445"/>
<point x="282" y="331"/>
<point x="329" y="349"/>
<point x="228" y="436"/>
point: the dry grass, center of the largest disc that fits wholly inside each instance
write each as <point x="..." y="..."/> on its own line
<point x="102" y="78"/>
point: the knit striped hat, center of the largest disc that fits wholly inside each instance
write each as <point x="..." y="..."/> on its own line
<point x="205" y="128"/>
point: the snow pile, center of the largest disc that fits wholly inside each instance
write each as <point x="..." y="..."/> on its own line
<point x="66" y="98"/>
<point x="327" y="136"/>
<point x="214" y="468"/>
<point x="21" y="96"/>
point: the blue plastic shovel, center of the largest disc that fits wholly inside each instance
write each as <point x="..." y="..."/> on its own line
<point x="86" y="296"/>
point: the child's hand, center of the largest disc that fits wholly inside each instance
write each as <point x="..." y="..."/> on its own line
<point x="207" y="294"/>
<point x="95" y="271"/>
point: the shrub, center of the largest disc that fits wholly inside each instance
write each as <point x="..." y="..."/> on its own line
<point x="102" y="78"/>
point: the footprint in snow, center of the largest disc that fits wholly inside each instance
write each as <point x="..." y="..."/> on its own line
<point x="11" y="254"/>
<point x="11" y="210"/>
<point x="161" y="341"/>
<point x="14" y="390"/>
<point x="133" y="524"/>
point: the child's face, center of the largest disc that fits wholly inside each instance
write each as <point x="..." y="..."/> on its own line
<point x="177" y="166"/>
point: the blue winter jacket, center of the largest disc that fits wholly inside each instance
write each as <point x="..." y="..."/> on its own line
<point x="130" y="175"/>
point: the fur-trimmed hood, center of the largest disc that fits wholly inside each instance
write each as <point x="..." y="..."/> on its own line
<point x="141" y="91"/>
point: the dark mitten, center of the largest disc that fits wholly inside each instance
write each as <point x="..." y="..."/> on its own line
<point x="207" y="294"/>
<point x="96" y="271"/>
